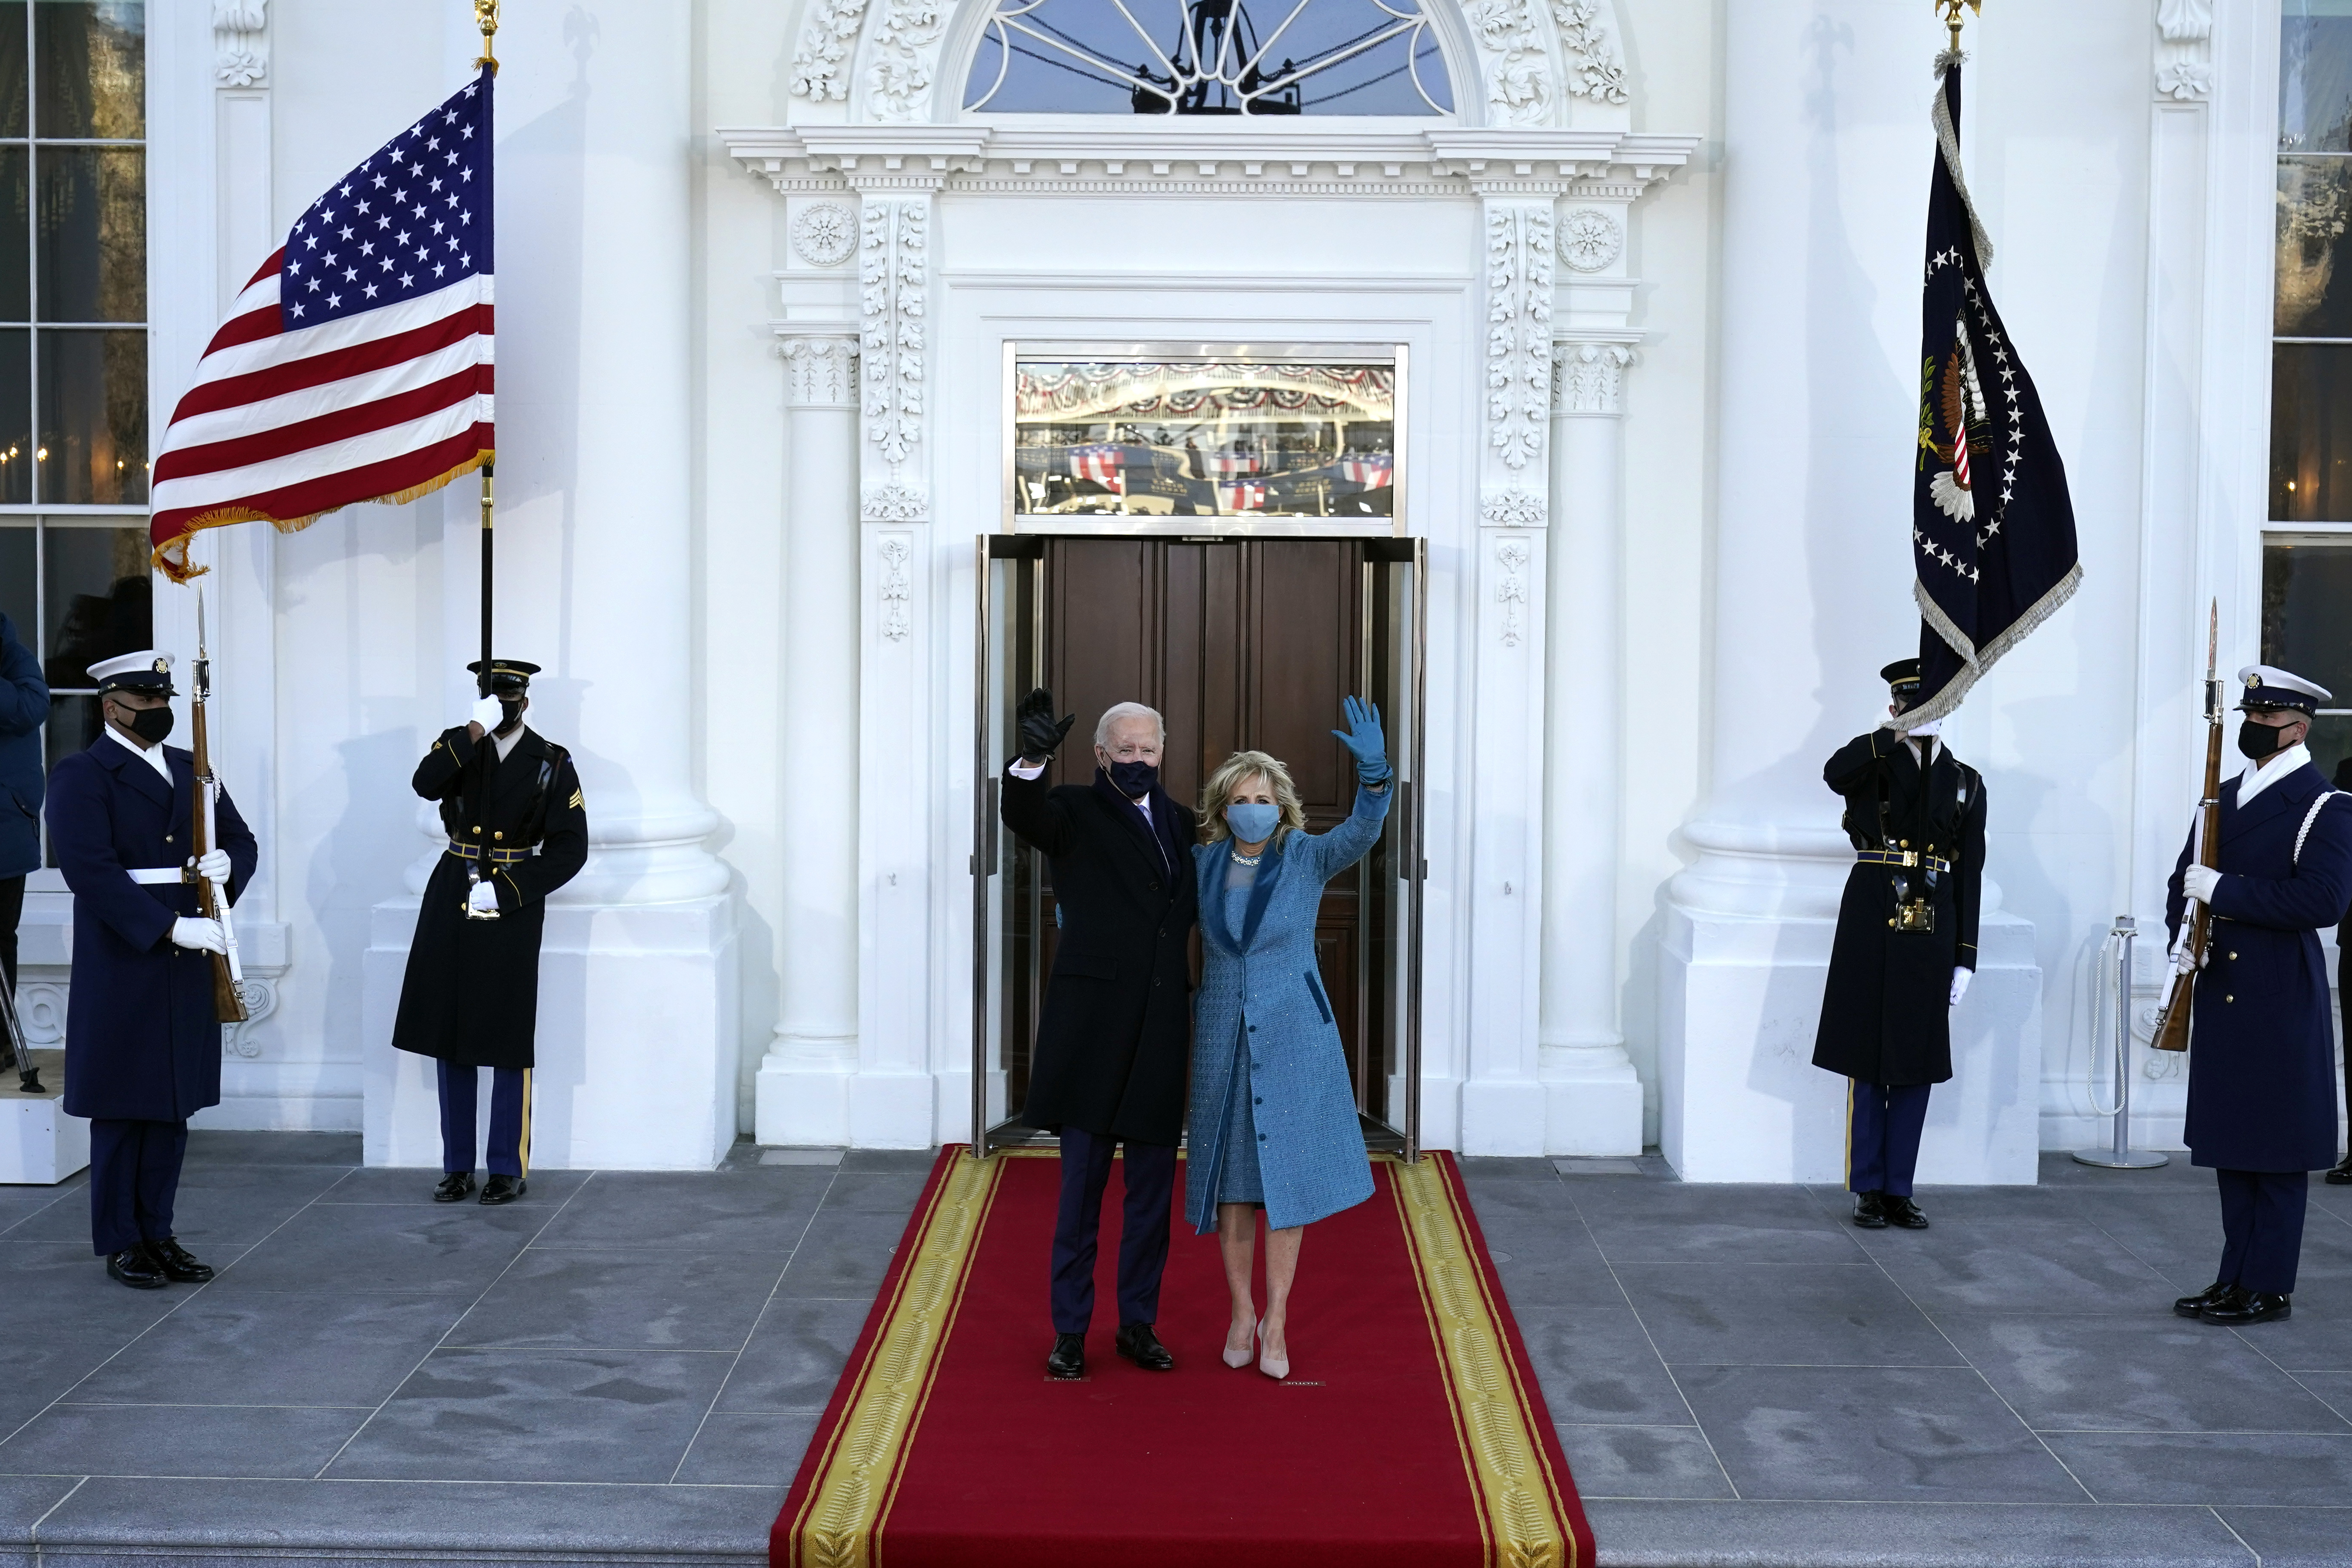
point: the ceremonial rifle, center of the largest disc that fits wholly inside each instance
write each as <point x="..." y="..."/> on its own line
<point x="228" y="974"/>
<point x="2172" y="1024"/>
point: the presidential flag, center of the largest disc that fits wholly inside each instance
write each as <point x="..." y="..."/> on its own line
<point x="1992" y="530"/>
<point x="357" y="364"/>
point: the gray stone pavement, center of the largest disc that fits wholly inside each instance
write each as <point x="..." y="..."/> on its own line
<point x="625" y="1367"/>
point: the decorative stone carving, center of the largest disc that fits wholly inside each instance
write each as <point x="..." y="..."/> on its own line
<point x="1511" y="593"/>
<point x="2185" y="80"/>
<point x="895" y="502"/>
<point x="41" y="1010"/>
<point x="897" y="590"/>
<point x="821" y="372"/>
<point x="820" y="63"/>
<point x="260" y="1001"/>
<point x="1590" y="239"/>
<point x="239" y="26"/>
<point x="1519" y="83"/>
<point x="891" y="275"/>
<point x="1518" y="330"/>
<point x="1513" y="507"/>
<point x="1587" y="378"/>
<point x="825" y="233"/>
<point x="906" y="58"/>
<point x="2183" y="21"/>
<point x="1594" y="70"/>
<point x="2184" y="51"/>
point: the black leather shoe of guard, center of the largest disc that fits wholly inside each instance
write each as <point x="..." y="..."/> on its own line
<point x="1870" y="1210"/>
<point x="1139" y="1344"/>
<point x="455" y="1188"/>
<point x="178" y="1266"/>
<point x="2340" y="1175"/>
<point x="503" y="1189"/>
<point x="2243" y="1307"/>
<point x="135" y="1268"/>
<point x="2194" y="1305"/>
<point x="1902" y="1211"/>
<point x="1068" y="1357"/>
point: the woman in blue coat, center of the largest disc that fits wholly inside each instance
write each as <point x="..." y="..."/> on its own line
<point x="1274" y="1119"/>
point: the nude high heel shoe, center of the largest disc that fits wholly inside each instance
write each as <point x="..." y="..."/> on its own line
<point x="1227" y="1355"/>
<point x="1276" y="1370"/>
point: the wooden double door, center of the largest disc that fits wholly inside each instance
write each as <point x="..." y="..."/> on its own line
<point x="1241" y="644"/>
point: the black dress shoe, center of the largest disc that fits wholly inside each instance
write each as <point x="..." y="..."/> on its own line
<point x="1068" y="1358"/>
<point x="2239" y="1308"/>
<point x="178" y="1267"/>
<point x="454" y="1187"/>
<point x="135" y="1268"/>
<point x="1902" y="1211"/>
<point x="503" y="1189"/>
<point x="1139" y="1344"/>
<point x="2194" y="1305"/>
<point x="2341" y="1175"/>
<point x="1870" y="1210"/>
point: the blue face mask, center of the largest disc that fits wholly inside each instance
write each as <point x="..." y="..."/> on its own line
<point x="1252" y="824"/>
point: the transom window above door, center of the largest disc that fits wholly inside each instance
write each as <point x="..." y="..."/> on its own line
<point x="1208" y="57"/>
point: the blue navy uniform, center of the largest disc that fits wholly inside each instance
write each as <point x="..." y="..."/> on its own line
<point x="2262" y="1070"/>
<point x="142" y="1041"/>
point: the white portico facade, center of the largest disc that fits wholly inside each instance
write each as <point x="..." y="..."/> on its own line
<point x="1653" y="276"/>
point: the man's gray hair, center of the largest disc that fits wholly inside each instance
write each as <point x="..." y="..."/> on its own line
<point x="1118" y="710"/>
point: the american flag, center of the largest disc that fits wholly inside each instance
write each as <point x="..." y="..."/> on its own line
<point x="357" y="365"/>
<point x="1230" y="462"/>
<point x="1370" y="470"/>
<point x="1242" y="495"/>
<point x="1102" y="465"/>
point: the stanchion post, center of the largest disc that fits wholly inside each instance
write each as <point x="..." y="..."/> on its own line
<point x="2122" y="1156"/>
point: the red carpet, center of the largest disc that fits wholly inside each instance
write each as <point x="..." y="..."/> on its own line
<point x="1410" y="1434"/>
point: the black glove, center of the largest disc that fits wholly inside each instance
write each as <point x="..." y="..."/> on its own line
<point x="1040" y="734"/>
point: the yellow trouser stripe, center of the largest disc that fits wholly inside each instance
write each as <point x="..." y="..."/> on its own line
<point x="524" y="1151"/>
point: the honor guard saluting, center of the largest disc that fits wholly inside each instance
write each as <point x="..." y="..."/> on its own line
<point x="1905" y="946"/>
<point x="2262" y="1048"/>
<point x="518" y="830"/>
<point x="143" y="1035"/>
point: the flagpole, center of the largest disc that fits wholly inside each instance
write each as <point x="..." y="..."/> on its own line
<point x="1950" y="9"/>
<point x="486" y="17"/>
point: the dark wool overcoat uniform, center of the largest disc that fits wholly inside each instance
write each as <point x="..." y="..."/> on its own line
<point x="1886" y="1008"/>
<point x="2262" y="1048"/>
<point x="142" y="1040"/>
<point x="1114" y="1034"/>
<point x="471" y="995"/>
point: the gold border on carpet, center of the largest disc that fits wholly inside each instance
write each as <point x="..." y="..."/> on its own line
<point x="1509" y="1471"/>
<point x="842" y="1516"/>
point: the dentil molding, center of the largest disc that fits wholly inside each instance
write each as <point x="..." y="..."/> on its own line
<point x="239" y="27"/>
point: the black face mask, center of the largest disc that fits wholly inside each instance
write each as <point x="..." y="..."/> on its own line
<point x="150" y="724"/>
<point x="2257" y="742"/>
<point x="1133" y="779"/>
<point x="511" y="713"/>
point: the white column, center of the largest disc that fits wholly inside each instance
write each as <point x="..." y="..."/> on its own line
<point x="1592" y="1096"/>
<point x="804" y="1084"/>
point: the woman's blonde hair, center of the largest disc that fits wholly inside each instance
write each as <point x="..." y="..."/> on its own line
<point x="1236" y="771"/>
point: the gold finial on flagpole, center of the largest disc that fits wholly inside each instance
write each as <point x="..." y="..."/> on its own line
<point x="1950" y="9"/>
<point x="486" y="17"/>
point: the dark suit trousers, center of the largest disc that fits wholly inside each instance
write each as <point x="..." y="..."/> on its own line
<point x="134" y="1175"/>
<point x="2344" y="1006"/>
<point x="2262" y="1227"/>
<point x="1883" y="1124"/>
<point x="11" y="910"/>
<point x="1150" y="1180"/>
<point x="508" y="1152"/>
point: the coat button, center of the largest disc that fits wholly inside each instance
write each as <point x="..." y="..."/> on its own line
<point x="1253" y="1028"/>
<point x="497" y="836"/>
<point x="1261" y="1137"/>
<point x="1905" y="844"/>
<point x="1258" y="1099"/>
<point x="2228" y="998"/>
<point x="167" y="838"/>
<point x="2233" y="955"/>
<point x="476" y="828"/>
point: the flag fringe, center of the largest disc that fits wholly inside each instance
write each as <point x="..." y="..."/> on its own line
<point x="1974" y="661"/>
<point x="171" y="557"/>
<point x="1947" y="139"/>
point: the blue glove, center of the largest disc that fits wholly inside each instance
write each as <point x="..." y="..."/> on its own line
<point x="1363" y="738"/>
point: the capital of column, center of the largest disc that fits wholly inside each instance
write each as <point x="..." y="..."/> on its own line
<point x="1588" y="374"/>
<point x="820" y="365"/>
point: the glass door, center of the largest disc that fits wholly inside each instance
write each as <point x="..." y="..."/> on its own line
<point x="1007" y="903"/>
<point x="1391" y="878"/>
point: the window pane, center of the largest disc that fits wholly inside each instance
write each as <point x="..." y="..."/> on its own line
<point x="17" y="597"/>
<point x="2307" y="611"/>
<point x="2311" y="432"/>
<point x="2314" y="202"/>
<point x="93" y="241"/>
<point x="15" y="415"/>
<point x="90" y="72"/>
<point x="13" y="101"/>
<point x="100" y="599"/>
<point x="93" y="446"/>
<point x="15" y="261"/>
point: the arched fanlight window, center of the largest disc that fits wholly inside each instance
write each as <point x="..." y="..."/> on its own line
<point x="1208" y="57"/>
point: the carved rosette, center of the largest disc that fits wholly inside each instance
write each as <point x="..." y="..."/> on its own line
<point x="892" y="272"/>
<point x="240" y="37"/>
<point x="825" y="233"/>
<point x="1590" y="239"/>
<point x="1513" y="507"/>
<point x="1518" y="330"/>
<point x="820" y="371"/>
<point x="1589" y="378"/>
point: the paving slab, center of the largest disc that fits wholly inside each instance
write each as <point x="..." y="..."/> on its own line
<point x="1643" y="1534"/>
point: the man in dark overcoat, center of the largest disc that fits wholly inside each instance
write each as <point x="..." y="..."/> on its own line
<point x="2261" y="1045"/>
<point x="143" y="1035"/>
<point x="518" y="827"/>
<point x="1115" y="1033"/>
<point x="1905" y="946"/>
<point x="2341" y="1173"/>
<point x="23" y="709"/>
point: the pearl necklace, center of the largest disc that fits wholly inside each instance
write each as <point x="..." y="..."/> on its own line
<point x="1242" y="860"/>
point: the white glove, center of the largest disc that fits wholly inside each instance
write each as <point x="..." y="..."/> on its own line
<point x="1921" y="731"/>
<point x="483" y="899"/>
<point x="2198" y="882"/>
<point x="198" y="935"/>
<point x="1960" y="978"/>
<point x="488" y="714"/>
<point x="213" y="867"/>
<point x="2184" y="965"/>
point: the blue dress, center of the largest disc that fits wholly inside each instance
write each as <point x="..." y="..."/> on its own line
<point x="1239" y="1182"/>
